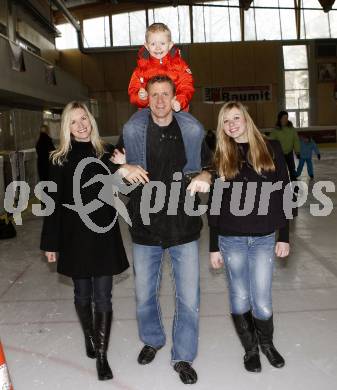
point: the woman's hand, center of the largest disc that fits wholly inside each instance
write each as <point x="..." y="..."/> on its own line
<point x="118" y="157"/>
<point x="216" y="260"/>
<point x="200" y="183"/>
<point x="51" y="256"/>
<point x="282" y="249"/>
<point x="134" y="173"/>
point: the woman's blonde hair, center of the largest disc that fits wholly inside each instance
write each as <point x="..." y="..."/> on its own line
<point x="59" y="155"/>
<point x="227" y="158"/>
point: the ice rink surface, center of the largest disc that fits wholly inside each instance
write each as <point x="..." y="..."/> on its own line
<point x="44" y="344"/>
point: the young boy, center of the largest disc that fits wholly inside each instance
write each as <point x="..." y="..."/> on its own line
<point x="159" y="56"/>
<point x="308" y="147"/>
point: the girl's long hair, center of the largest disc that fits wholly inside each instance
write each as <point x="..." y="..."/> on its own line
<point x="59" y="155"/>
<point x="227" y="158"/>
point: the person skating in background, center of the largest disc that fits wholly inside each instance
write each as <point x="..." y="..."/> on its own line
<point x="286" y="134"/>
<point x="308" y="147"/>
<point x="159" y="56"/>
<point x="43" y="148"/>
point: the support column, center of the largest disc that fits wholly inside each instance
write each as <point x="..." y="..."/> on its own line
<point x="297" y="4"/>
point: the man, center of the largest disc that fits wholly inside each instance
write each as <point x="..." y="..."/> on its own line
<point x="159" y="143"/>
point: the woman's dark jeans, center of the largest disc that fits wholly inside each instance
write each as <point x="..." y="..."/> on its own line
<point x="95" y="289"/>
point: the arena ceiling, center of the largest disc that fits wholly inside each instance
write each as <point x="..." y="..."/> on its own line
<point x="78" y="3"/>
<point x="325" y="4"/>
<point x="95" y="7"/>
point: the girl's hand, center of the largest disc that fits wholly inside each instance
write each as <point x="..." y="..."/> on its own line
<point x="200" y="183"/>
<point x="216" y="260"/>
<point x="282" y="249"/>
<point x="51" y="256"/>
<point x="118" y="157"/>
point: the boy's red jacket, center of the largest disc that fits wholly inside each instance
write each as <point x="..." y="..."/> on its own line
<point x="171" y="65"/>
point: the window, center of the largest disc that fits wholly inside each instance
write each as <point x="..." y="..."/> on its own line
<point x="128" y="28"/>
<point x="333" y="21"/>
<point x="270" y="23"/>
<point x="176" y="18"/>
<point x="216" y="24"/>
<point x="96" y="32"/>
<point x="267" y="21"/>
<point x="137" y="27"/>
<point x="198" y="25"/>
<point x="249" y="25"/>
<point x="68" y="38"/>
<point x="296" y="81"/>
<point x="288" y="21"/>
<point x="120" y="30"/>
<point x="213" y="21"/>
<point x="315" y="23"/>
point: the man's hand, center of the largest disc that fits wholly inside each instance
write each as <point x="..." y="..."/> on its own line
<point x="134" y="173"/>
<point x="51" y="256"/>
<point x="175" y="105"/>
<point x="282" y="249"/>
<point x="142" y="94"/>
<point x="118" y="157"/>
<point x="200" y="183"/>
<point x="216" y="260"/>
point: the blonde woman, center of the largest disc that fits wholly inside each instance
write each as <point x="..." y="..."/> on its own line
<point x="89" y="258"/>
<point x="242" y="236"/>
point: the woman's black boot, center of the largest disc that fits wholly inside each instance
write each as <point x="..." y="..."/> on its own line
<point x="265" y="330"/>
<point x="102" y="335"/>
<point x="245" y="329"/>
<point x="86" y="319"/>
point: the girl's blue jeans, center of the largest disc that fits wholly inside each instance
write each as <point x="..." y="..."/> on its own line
<point x="249" y="264"/>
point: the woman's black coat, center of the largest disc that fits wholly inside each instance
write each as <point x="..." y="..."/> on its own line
<point x="82" y="252"/>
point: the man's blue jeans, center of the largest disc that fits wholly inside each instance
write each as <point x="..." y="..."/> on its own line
<point x="147" y="262"/>
<point x="249" y="263"/>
